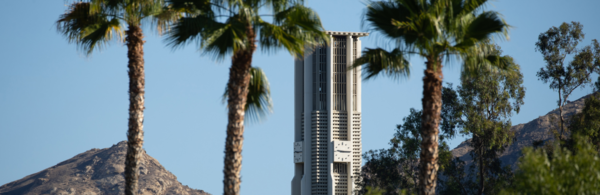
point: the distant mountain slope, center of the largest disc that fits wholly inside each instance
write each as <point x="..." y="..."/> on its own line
<point x="98" y="172"/>
<point x="537" y="129"/>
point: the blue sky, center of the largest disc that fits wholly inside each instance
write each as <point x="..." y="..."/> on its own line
<point x="56" y="103"/>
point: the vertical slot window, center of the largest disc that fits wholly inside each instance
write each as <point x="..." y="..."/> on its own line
<point x="339" y="73"/>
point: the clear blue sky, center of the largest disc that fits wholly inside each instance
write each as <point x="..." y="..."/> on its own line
<point x="56" y="103"/>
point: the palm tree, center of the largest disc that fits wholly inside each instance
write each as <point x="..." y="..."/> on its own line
<point x="223" y="27"/>
<point x="434" y="30"/>
<point x="92" y="25"/>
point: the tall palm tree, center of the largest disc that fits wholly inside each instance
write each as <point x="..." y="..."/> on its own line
<point x="435" y="30"/>
<point x="235" y="27"/>
<point x="92" y="24"/>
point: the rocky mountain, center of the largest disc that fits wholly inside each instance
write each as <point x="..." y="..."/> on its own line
<point x="98" y="172"/>
<point x="537" y="129"/>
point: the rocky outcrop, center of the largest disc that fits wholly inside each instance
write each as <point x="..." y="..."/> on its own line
<point x="538" y="129"/>
<point x="98" y="172"/>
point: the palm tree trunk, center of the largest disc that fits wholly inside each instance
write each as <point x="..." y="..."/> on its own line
<point x="432" y="105"/>
<point x="135" y="131"/>
<point x="239" y="80"/>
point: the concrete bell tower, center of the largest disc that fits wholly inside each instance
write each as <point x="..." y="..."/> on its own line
<point x="327" y="117"/>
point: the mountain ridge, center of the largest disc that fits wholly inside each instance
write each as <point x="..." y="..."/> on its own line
<point x="525" y="133"/>
<point x="98" y="172"/>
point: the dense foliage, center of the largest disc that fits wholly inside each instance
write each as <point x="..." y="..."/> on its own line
<point x="587" y="123"/>
<point x="487" y="102"/>
<point x="564" y="172"/>
<point x="395" y="169"/>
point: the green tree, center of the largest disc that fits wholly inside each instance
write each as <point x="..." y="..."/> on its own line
<point x="556" y="45"/>
<point x="564" y="173"/>
<point x="386" y="171"/>
<point x="92" y="24"/>
<point x="236" y="30"/>
<point x="488" y="101"/>
<point x="457" y="180"/>
<point x="587" y="123"/>
<point x="435" y="31"/>
<point x="373" y="191"/>
<point x="395" y="170"/>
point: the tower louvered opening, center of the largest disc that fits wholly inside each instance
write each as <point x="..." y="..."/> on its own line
<point x="339" y="73"/>
<point x="354" y="77"/>
<point x="320" y="79"/>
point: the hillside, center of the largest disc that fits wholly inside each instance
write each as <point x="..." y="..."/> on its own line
<point x="537" y="129"/>
<point x="98" y="172"/>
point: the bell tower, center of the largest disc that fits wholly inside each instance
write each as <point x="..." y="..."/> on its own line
<point x="327" y="117"/>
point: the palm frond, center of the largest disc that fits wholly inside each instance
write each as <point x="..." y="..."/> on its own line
<point x="190" y="29"/>
<point x="88" y="30"/>
<point x="258" y="101"/>
<point x="412" y="6"/>
<point x="166" y="18"/>
<point x="280" y="5"/>
<point x="379" y="61"/>
<point x="298" y="15"/>
<point x="459" y="8"/>
<point x="386" y="17"/>
<point x="99" y="35"/>
<point x="273" y="37"/>
<point x="191" y="6"/>
<point x="293" y="29"/>
<point x="135" y="11"/>
<point x="486" y="56"/>
<point x="220" y="40"/>
<point x="217" y="39"/>
<point x="481" y="28"/>
<point x="247" y="13"/>
<point x="77" y="17"/>
<point x="150" y="8"/>
<point x="110" y="7"/>
<point x="226" y="5"/>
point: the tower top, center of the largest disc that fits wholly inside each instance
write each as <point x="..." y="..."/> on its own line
<point x="359" y="34"/>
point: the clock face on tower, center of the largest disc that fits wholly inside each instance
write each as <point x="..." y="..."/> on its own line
<point x="298" y="152"/>
<point x="298" y="157"/>
<point x="342" y="151"/>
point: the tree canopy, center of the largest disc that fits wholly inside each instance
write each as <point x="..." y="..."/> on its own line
<point x="564" y="172"/>
<point x="556" y="45"/>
